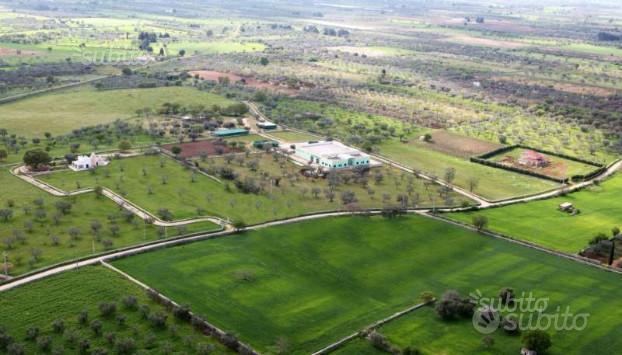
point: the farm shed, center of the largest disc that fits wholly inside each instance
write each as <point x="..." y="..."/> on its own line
<point x="232" y="132"/>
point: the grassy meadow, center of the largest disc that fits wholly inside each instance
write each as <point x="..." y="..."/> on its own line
<point x="314" y="282"/>
<point x="61" y="112"/>
<point x="491" y="183"/>
<point x="67" y="295"/>
<point x="542" y="223"/>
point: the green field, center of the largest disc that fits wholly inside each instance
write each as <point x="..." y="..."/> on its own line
<point x="292" y="136"/>
<point x="315" y="282"/>
<point x="425" y="331"/>
<point x="209" y="47"/>
<point x="558" y="167"/>
<point x="183" y="198"/>
<point x="542" y="223"/>
<point x="62" y="112"/>
<point x="68" y="294"/>
<point x="492" y="183"/>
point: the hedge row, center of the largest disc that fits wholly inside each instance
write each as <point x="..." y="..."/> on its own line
<point x="483" y="159"/>
<point x="516" y="170"/>
<point x="184" y="314"/>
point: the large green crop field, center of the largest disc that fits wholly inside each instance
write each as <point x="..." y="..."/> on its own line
<point x="492" y="183"/>
<point x="62" y="112"/>
<point x="315" y="282"/>
<point x="542" y="223"/>
<point x="63" y="297"/>
<point x="183" y="197"/>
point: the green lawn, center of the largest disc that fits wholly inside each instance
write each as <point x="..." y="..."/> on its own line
<point x="540" y="222"/>
<point x="315" y="282"/>
<point x="66" y="295"/>
<point x="19" y="240"/>
<point x="492" y="183"/>
<point x="292" y="136"/>
<point x="183" y="197"/>
<point x="63" y="111"/>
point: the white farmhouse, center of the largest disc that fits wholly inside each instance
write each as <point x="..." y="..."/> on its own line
<point x="84" y="162"/>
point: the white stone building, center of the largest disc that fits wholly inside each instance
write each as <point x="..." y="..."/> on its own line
<point x="84" y="162"/>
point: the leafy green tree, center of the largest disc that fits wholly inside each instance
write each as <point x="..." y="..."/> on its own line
<point x="36" y="158"/>
<point x="537" y="340"/>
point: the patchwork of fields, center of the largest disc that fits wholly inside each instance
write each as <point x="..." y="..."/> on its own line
<point x="425" y="85"/>
<point x="315" y="282"/>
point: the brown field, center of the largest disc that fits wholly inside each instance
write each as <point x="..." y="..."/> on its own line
<point x="10" y="52"/>
<point x="565" y="87"/>
<point x="485" y="42"/>
<point x="211" y="147"/>
<point x="250" y="82"/>
<point x="458" y="145"/>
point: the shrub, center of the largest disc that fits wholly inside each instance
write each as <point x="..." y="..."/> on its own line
<point x="537" y="340"/>
<point x="144" y="311"/>
<point x="204" y="349"/>
<point x="452" y="306"/>
<point x="44" y="343"/>
<point x="507" y="295"/>
<point x="510" y="326"/>
<point x="96" y="326"/>
<point x="379" y="342"/>
<point x="83" y="317"/>
<point x="32" y="333"/>
<point x="16" y="349"/>
<point x="84" y="346"/>
<point x="125" y="346"/>
<point x="130" y="302"/>
<point x="107" y="309"/>
<point x="182" y="313"/>
<point x="121" y="318"/>
<point x="58" y="326"/>
<point x="158" y="320"/>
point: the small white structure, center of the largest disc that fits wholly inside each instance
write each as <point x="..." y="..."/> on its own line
<point x="331" y="155"/>
<point x="84" y="162"/>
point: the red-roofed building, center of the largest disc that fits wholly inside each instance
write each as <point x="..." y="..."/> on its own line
<point x="533" y="159"/>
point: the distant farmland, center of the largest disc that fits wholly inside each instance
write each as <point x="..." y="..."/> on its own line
<point x="62" y="112"/>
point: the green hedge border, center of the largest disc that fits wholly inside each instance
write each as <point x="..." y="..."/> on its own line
<point x="484" y="160"/>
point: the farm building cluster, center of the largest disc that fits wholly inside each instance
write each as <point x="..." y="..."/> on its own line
<point x="329" y="155"/>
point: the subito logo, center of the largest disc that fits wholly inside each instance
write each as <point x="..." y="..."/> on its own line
<point x="486" y="320"/>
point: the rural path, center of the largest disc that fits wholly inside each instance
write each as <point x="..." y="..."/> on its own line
<point x="153" y="246"/>
<point x="119" y="200"/>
